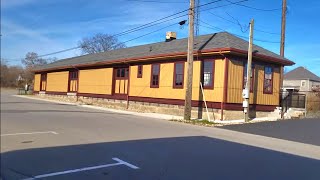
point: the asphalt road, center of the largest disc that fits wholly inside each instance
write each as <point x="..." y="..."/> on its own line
<point x="47" y="140"/>
<point x="299" y="130"/>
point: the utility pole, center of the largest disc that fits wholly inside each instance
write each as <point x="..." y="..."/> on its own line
<point x="283" y="27"/>
<point x="246" y="93"/>
<point x="188" y="97"/>
<point x="282" y="44"/>
<point x="197" y="17"/>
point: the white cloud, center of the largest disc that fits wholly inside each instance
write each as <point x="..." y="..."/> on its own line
<point x="17" y="40"/>
<point x="11" y="29"/>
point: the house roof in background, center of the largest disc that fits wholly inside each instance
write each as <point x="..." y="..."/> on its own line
<point x="301" y="73"/>
<point x="202" y="43"/>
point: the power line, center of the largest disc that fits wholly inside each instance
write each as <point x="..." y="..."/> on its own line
<point x="136" y="28"/>
<point x="250" y="7"/>
<point x="167" y="2"/>
<point x="259" y="30"/>
<point x="237" y="23"/>
<point x="144" y="26"/>
<point x="215" y="28"/>
<point x="150" y="32"/>
<point x="57" y="52"/>
<point x="149" y="24"/>
<point x="121" y="42"/>
<point x="232" y="3"/>
<point x="120" y="34"/>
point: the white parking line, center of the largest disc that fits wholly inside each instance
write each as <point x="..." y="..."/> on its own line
<point x="29" y="133"/>
<point x="125" y="163"/>
<point x="119" y="162"/>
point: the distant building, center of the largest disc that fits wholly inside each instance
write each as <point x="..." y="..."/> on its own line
<point x="301" y="79"/>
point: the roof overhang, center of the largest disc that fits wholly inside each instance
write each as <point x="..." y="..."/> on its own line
<point x="215" y="51"/>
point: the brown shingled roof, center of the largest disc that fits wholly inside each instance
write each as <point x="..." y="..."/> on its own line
<point x="301" y="73"/>
<point x="202" y="43"/>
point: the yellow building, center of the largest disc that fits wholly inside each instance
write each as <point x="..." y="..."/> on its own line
<point x="156" y="73"/>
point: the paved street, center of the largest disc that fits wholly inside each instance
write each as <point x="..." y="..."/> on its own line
<point x="45" y="140"/>
<point x="305" y="131"/>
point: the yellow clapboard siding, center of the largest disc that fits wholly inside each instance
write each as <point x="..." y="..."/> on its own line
<point x="57" y="81"/>
<point x="235" y="84"/>
<point x="235" y="81"/>
<point x="36" y="85"/>
<point x="121" y="86"/>
<point x="126" y="86"/>
<point x="96" y="81"/>
<point x="268" y="99"/>
<point x="141" y="86"/>
<point x="43" y="85"/>
<point x="73" y="85"/>
<point x="117" y="86"/>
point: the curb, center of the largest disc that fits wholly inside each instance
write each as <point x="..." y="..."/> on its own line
<point x="150" y="115"/>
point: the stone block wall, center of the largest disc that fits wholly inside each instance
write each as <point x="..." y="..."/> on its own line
<point x="146" y="107"/>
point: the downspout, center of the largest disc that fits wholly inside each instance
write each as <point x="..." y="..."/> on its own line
<point x="128" y="88"/>
<point x="225" y="85"/>
<point x="128" y="85"/>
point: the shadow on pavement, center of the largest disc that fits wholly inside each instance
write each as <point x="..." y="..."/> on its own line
<point x="60" y="111"/>
<point x="194" y="157"/>
<point x="30" y="102"/>
<point x="301" y="130"/>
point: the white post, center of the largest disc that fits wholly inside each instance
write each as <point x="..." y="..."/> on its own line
<point x="205" y="103"/>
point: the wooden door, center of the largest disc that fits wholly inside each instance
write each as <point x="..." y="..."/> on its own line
<point x="121" y="79"/>
<point x="73" y="81"/>
<point x="43" y="82"/>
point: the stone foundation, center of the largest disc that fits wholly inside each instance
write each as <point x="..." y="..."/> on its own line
<point x="146" y="107"/>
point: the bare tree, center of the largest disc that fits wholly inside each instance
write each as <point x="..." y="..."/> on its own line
<point x="100" y="43"/>
<point x="31" y="61"/>
<point x="10" y="75"/>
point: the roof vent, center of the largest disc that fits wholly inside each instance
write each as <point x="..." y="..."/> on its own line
<point x="171" y="36"/>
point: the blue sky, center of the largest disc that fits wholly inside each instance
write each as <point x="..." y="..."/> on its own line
<point x="46" y="26"/>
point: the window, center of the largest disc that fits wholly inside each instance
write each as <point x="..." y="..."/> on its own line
<point x="268" y="75"/>
<point x="208" y="74"/>
<point x="73" y="81"/>
<point x="303" y="83"/>
<point x="43" y="77"/>
<point x="122" y="73"/>
<point x="73" y="75"/>
<point x="155" y="71"/>
<point x="43" y="82"/>
<point x="139" y="73"/>
<point x="251" y="77"/>
<point x="178" y="75"/>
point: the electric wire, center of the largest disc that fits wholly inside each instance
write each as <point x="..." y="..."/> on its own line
<point x="259" y="30"/>
<point x="145" y="26"/>
<point x="209" y="26"/>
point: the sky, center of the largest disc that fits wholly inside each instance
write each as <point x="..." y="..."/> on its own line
<point x="46" y="26"/>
